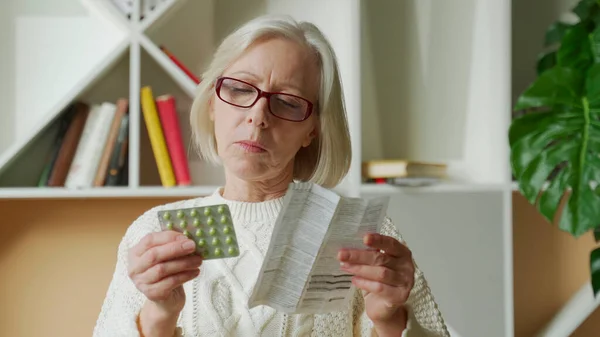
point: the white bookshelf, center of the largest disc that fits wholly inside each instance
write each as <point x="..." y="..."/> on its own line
<point x="423" y="80"/>
<point x="456" y="130"/>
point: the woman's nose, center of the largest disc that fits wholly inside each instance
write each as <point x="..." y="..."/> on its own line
<point x="259" y="113"/>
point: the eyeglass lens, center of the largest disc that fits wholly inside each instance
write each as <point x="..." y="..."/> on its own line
<point x="244" y="95"/>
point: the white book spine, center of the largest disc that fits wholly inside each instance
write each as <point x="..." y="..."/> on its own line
<point x="78" y="159"/>
<point x="94" y="146"/>
<point x="97" y="146"/>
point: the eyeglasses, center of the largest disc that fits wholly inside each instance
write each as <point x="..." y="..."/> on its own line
<point x="244" y="95"/>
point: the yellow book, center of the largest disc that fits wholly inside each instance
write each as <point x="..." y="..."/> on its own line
<point x="157" y="138"/>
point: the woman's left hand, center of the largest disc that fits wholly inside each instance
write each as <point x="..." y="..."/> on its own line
<point x="385" y="272"/>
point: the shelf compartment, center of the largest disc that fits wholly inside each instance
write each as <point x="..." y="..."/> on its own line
<point x="23" y="163"/>
<point x="201" y="173"/>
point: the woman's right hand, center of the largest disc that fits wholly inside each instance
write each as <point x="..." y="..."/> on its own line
<point x="159" y="265"/>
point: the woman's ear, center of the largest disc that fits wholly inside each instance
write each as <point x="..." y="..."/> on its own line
<point x="309" y="137"/>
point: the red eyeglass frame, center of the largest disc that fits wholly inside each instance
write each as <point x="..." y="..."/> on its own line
<point x="265" y="94"/>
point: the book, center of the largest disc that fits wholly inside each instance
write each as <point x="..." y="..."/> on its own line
<point x="157" y="138"/>
<point x="91" y="145"/>
<point x="63" y="126"/>
<point x="111" y="143"/>
<point x="396" y="168"/>
<point x="300" y="272"/>
<point x="172" y="131"/>
<point x="119" y="156"/>
<point x="69" y="145"/>
<point x="180" y="64"/>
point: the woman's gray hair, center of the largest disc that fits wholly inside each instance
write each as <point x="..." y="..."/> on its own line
<point x="326" y="160"/>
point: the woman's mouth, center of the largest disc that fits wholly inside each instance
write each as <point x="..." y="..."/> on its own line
<point x="251" y="146"/>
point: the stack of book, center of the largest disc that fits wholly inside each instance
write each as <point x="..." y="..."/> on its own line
<point x="403" y="172"/>
<point x="162" y="122"/>
<point x="91" y="147"/>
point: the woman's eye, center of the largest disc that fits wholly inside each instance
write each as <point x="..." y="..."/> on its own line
<point x="240" y="90"/>
<point x="289" y="103"/>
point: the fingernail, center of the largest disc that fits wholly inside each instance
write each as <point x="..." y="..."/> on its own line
<point x="342" y="255"/>
<point x="343" y="265"/>
<point x="188" y="245"/>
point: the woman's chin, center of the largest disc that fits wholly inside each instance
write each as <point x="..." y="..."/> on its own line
<point x="249" y="169"/>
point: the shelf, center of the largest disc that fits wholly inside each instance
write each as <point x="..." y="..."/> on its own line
<point x="385" y="189"/>
<point x="161" y="12"/>
<point x="106" y="11"/>
<point x="22" y="165"/>
<point x="169" y="66"/>
<point x="161" y="83"/>
<point x="105" y="192"/>
<point x="426" y="96"/>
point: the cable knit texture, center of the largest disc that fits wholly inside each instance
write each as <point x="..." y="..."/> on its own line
<point x="217" y="300"/>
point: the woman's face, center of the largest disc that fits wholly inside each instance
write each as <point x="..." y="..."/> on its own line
<point x="254" y="144"/>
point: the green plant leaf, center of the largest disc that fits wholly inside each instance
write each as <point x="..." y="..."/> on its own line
<point x="565" y="142"/>
<point x="555" y="86"/>
<point x="538" y="170"/>
<point x="595" y="270"/>
<point x="555" y="32"/>
<point x="597" y="234"/>
<point x="574" y="50"/>
<point x="546" y="61"/>
<point x="594" y="38"/>
<point x="582" y="211"/>
<point x="592" y="88"/>
<point x="547" y="204"/>
<point x="526" y="149"/>
<point x="584" y="8"/>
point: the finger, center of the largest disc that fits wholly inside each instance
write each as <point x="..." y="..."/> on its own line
<point x="156" y="239"/>
<point x="161" y="290"/>
<point x="394" y="296"/>
<point x="168" y="251"/>
<point x="377" y="273"/>
<point x="388" y="244"/>
<point x="168" y="268"/>
<point x="367" y="257"/>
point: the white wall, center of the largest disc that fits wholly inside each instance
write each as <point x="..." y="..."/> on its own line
<point x="11" y="9"/>
<point x="6" y="74"/>
<point x="530" y="20"/>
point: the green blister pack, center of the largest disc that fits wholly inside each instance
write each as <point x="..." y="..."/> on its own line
<point x="211" y="227"/>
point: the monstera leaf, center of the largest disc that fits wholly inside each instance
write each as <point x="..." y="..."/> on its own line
<point x="563" y="141"/>
<point x="555" y="145"/>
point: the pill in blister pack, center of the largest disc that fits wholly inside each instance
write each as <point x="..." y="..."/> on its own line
<point x="211" y="227"/>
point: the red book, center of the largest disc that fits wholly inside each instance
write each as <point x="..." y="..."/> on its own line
<point x="169" y="120"/>
<point x="180" y="65"/>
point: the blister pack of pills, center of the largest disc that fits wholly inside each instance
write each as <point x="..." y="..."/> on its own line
<point x="211" y="227"/>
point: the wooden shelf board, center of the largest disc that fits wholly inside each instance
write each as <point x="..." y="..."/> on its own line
<point x="105" y="192"/>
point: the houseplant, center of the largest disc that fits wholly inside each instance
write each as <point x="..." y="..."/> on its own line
<point x="555" y="144"/>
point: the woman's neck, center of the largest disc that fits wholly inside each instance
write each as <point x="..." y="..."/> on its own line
<point x="255" y="191"/>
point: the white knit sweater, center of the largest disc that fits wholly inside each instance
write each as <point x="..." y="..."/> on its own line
<point x="216" y="301"/>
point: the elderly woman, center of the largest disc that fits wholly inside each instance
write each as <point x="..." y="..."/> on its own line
<point x="270" y="110"/>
